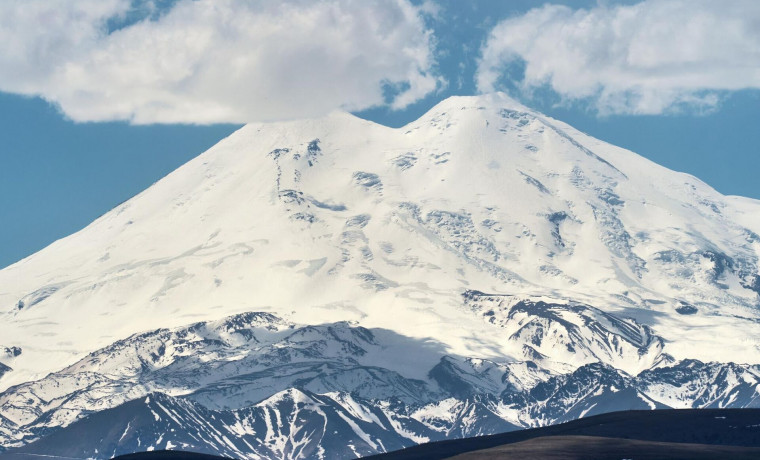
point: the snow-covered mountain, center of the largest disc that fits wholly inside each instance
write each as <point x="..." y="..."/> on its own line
<point x="336" y="287"/>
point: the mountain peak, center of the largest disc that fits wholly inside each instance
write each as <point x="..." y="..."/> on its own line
<point x="481" y="106"/>
<point x="494" y="100"/>
<point x="338" y="218"/>
<point x="456" y="276"/>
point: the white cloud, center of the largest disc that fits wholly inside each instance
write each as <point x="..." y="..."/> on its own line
<point x="210" y="61"/>
<point x="647" y="58"/>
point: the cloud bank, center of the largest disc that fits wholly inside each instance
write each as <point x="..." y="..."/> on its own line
<point x="208" y="61"/>
<point x="649" y="58"/>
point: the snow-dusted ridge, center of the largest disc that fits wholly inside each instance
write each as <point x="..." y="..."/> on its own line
<point x="455" y="274"/>
<point x="254" y="386"/>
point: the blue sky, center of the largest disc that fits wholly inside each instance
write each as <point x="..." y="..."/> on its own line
<point x="101" y="98"/>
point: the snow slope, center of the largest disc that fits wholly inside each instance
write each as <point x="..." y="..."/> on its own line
<point x="483" y="232"/>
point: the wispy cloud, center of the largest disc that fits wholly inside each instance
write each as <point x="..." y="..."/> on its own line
<point x="215" y="60"/>
<point x="648" y="58"/>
